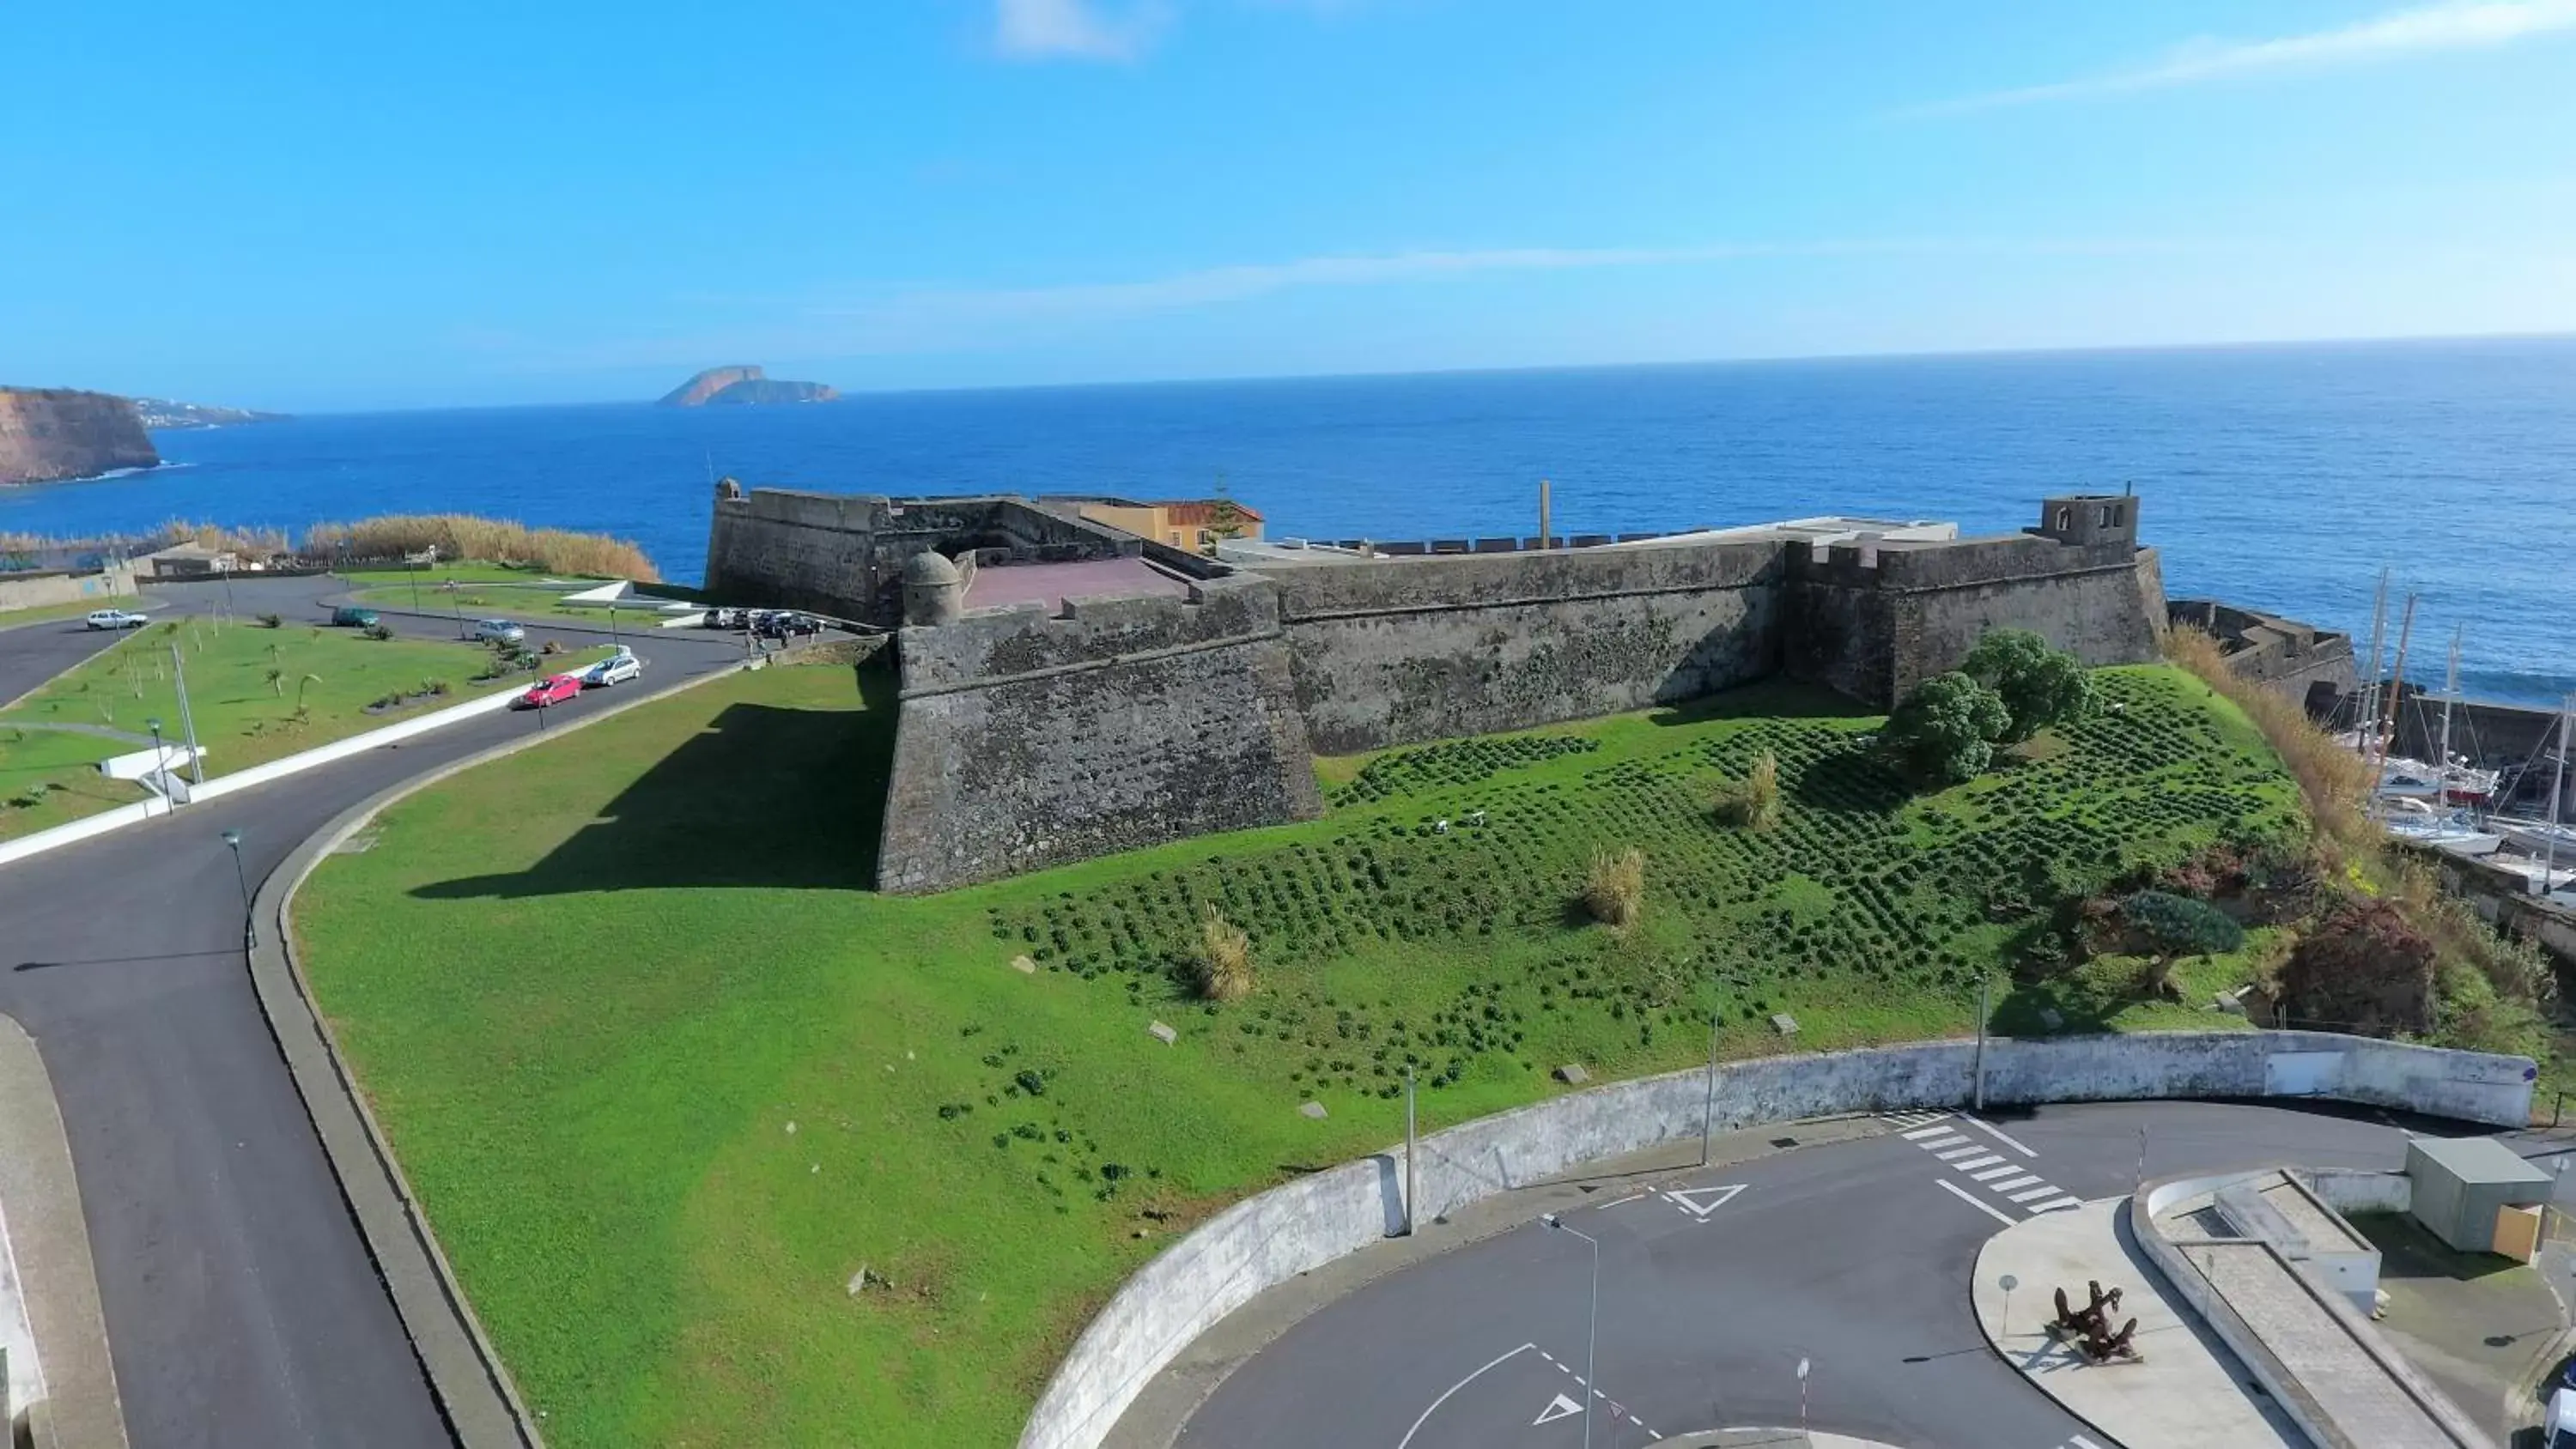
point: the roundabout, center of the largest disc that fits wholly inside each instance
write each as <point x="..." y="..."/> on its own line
<point x="1853" y="1259"/>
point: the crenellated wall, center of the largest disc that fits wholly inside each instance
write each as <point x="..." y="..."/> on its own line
<point x="1027" y="739"/>
<point x="843" y="554"/>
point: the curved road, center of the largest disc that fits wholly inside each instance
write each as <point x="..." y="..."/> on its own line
<point x="1856" y="1256"/>
<point x="242" y="1307"/>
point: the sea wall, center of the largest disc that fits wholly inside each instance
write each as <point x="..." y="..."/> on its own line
<point x="51" y="433"/>
<point x="843" y="554"/>
<point x="1026" y="739"/>
<point x="1309" y="1222"/>
<point x="1404" y="650"/>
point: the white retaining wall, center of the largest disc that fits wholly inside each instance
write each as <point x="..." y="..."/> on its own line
<point x="124" y="815"/>
<point x="1307" y="1223"/>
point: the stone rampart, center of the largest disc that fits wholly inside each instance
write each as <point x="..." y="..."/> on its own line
<point x="1302" y="1225"/>
<point x="2284" y="654"/>
<point x="1404" y="650"/>
<point x="1026" y="740"/>
<point x="1874" y="621"/>
<point x="843" y="555"/>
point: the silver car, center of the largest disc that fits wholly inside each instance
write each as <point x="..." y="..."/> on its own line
<point x="499" y="631"/>
<point x="115" y="619"/>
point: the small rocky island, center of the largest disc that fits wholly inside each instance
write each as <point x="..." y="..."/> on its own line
<point x="52" y="433"/>
<point x="740" y="385"/>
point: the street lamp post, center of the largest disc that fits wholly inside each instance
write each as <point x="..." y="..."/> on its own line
<point x="242" y="878"/>
<point x="160" y="761"/>
<point x="1592" y="1336"/>
<point x="1708" y="1106"/>
<point x="1803" y="1366"/>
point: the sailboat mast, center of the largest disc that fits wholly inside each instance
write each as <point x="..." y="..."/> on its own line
<point x="2557" y="792"/>
<point x="2396" y="690"/>
<point x="2370" y="687"/>
<point x="2450" y="692"/>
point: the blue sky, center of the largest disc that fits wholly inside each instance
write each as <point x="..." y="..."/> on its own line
<point x="323" y="205"/>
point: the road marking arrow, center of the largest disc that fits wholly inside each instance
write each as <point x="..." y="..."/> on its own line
<point x="1690" y="1199"/>
<point x="1559" y="1407"/>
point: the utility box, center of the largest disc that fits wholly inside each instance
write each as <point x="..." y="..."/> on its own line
<point x="2461" y="1184"/>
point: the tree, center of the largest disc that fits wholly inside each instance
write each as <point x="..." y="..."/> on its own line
<point x="1944" y="732"/>
<point x="2040" y="685"/>
<point x="2178" y="926"/>
<point x="1226" y="517"/>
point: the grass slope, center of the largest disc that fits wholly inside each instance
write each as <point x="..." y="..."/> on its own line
<point x="667" y="1077"/>
<point x="50" y="776"/>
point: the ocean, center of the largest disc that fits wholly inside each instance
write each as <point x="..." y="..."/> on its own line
<point x="2282" y="478"/>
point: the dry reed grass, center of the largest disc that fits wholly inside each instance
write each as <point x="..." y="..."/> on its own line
<point x="1223" y="966"/>
<point x="1614" y="889"/>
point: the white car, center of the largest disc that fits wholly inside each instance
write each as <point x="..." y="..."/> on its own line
<point x="2558" y="1427"/>
<point x="498" y="631"/>
<point x="615" y="669"/>
<point x="115" y="619"/>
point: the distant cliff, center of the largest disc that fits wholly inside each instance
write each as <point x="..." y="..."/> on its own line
<point x="50" y="433"/>
<point x="162" y="412"/>
<point x="737" y="385"/>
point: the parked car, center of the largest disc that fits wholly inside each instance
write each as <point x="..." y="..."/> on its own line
<point x="553" y="689"/>
<point x="787" y="624"/>
<point x="114" y="619"/>
<point x="350" y="616"/>
<point x="617" y="668"/>
<point x="498" y="631"/>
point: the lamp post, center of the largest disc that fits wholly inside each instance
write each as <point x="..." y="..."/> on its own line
<point x="1803" y="1366"/>
<point x="160" y="761"/>
<point x="1708" y="1105"/>
<point x="1592" y="1337"/>
<point x="242" y="878"/>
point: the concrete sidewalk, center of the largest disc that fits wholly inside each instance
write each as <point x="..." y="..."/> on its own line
<point x="2187" y="1391"/>
<point x="48" y="1240"/>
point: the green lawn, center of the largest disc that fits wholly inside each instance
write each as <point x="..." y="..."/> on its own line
<point x="48" y="776"/>
<point x="468" y="573"/>
<point x="667" y="1076"/>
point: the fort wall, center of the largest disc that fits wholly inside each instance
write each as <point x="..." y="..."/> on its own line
<point x="843" y="555"/>
<point x="1406" y="650"/>
<point x="1026" y="739"/>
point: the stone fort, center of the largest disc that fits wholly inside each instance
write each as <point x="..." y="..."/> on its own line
<point x="1069" y="690"/>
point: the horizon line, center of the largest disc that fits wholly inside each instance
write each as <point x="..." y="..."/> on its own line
<point x="1750" y="360"/>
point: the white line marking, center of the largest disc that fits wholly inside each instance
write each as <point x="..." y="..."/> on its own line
<point x="2080" y="1442"/>
<point x="1954" y="1190"/>
<point x="2043" y="1190"/>
<point x="1973" y="1163"/>
<point x="1632" y="1197"/>
<point x="1997" y="1133"/>
<point x="1948" y="1139"/>
<point x="1956" y="1153"/>
<point x="2015" y="1184"/>
<point x="1926" y="1132"/>
<point x="1991" y="1173"/>
<point x="1453" y="1388"/>
<point x="2054" y="1204"/>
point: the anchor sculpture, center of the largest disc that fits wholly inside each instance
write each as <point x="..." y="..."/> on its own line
<point x="2089" y="1328"/>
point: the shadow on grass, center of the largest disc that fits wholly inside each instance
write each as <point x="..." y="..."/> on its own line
<point x="1768" y="699"/>
<point x="764" y="796"/>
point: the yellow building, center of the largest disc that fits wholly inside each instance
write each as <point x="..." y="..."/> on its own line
<point x="1191" y="523"/>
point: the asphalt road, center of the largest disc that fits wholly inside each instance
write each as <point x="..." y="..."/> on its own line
<point x="242" y="1307"/>
<point x="1854" y="1256"/>
<point x="30" y="654"/>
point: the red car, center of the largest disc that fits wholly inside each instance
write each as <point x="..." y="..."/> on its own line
<point x="553" y="689"/>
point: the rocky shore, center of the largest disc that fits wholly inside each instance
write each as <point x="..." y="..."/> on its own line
<point x="54" y="433"/>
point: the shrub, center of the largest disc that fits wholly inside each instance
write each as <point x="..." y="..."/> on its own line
<point x="1614" y="889"/>
<point x="2362" y="968"/>
<point x="463" y="536"/>
<point x="1944" y="732"/>
<point x="2177" y="926"/>
<point x="271" y="621"/>
<point x="1222" y="969"/>
<point x="377" y="632"/>
<point x="1753" y="803"/>
<point x="2040" y="686"/>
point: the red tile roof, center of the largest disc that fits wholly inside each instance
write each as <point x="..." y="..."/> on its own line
<point x="1199" y="512"/>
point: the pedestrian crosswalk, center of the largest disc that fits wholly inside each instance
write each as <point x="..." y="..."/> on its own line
<point x="1986" y="1160"/>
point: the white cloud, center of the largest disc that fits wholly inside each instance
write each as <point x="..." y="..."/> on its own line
<point x="1075" y="29"/>
<point x="2452" y="25"/>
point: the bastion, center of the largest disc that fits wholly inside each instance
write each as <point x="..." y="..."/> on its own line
<point x="1069" y="690"/>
